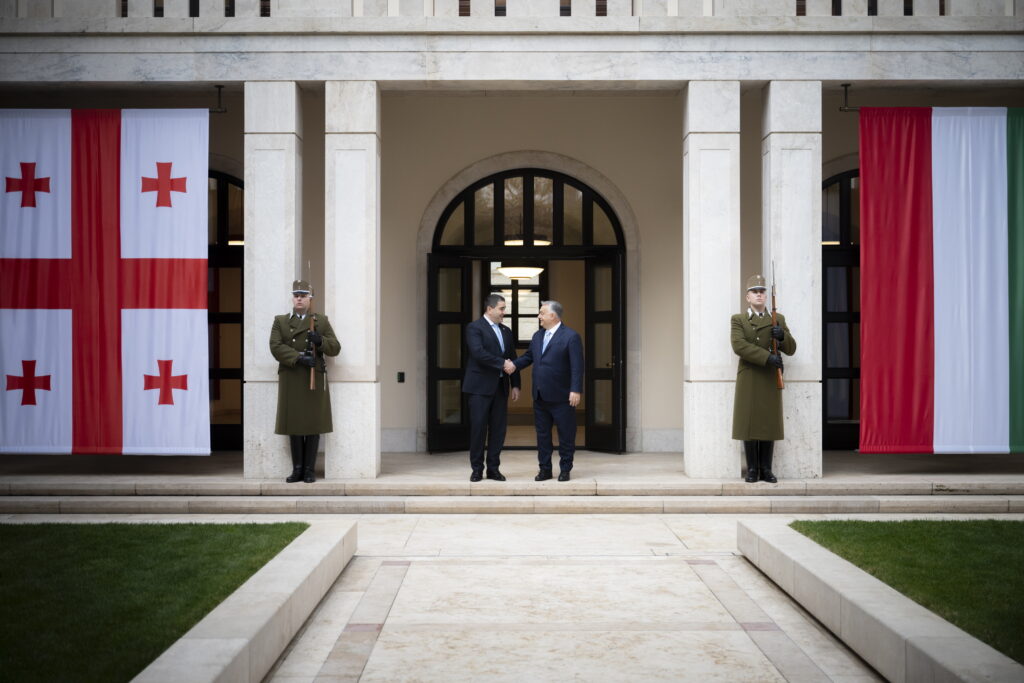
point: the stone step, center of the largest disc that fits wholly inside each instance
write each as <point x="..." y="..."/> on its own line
<point x="120" y="485"/>
<point x="656" y="504"/>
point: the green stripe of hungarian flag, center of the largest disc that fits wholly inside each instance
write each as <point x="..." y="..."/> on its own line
<point x="942" y="273"/>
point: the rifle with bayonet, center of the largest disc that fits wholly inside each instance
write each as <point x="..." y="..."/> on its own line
<point x="775" y="342"/>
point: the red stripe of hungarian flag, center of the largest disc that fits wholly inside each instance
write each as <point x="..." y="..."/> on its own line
<point x="942" y="273"/>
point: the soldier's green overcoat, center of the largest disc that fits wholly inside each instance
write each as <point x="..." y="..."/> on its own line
<point x="300" y="410"/>
<point x="757" y="410"/>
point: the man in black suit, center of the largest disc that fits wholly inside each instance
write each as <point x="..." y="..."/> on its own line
<point x="490" y="346"/>
<point x="556" y="353"/>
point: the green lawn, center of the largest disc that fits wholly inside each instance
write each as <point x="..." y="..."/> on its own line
<point x="99" y="602"/>
<point x="970" y="573"/>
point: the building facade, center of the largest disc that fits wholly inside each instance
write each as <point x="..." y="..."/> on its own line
<point x="649" y="155"/>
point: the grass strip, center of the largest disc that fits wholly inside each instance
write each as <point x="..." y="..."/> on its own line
<point x="99" y="602"/>
<point x="969" y="572"/>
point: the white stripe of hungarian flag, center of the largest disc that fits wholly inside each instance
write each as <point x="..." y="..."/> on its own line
<point x="942" y="280"/>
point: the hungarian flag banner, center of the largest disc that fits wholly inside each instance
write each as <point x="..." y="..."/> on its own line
<point x="103" y="275"/>
<point x="942" y="280"/>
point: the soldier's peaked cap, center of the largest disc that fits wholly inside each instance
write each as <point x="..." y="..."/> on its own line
<point x="755" y="282"/>
<point x="301" y="287"/>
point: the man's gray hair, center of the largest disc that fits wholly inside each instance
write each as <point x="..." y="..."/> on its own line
<point x="554" y="307"/>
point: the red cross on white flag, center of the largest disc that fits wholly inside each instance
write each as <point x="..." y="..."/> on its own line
<point x="97" y="283"/>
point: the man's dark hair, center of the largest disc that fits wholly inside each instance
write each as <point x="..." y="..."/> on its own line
<point x="492" y="300"/>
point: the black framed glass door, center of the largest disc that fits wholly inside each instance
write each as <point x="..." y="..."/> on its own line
<point x="449" y="310"/>
<point x="605" y="364"/>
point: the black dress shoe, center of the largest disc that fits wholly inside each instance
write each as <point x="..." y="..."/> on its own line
<point x="295" y="476"/>
<point x="543" y="475"/>
<point x="476" y="476"/>
<point x="563" y="475"/>
<point x="309" y="476"/>
<point x="495" y="475"/>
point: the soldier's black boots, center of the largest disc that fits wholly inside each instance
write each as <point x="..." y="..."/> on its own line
<point x="765" y="451"/>
<point x="312" y="445"/>
<point x="296" y="444"/>
<point x="750" y="450"/>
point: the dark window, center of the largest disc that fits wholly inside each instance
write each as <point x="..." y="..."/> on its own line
<point x="565" y="8"/>
<point x="602" y="8"/>
<point x="124" y="8"/>
<point x="500" y="8"/>
<point x="872" y="8"/>
<point x="193" y="8"/>
<point x="229" y="8"/>
<point x="908" y="8"/>
<point x="264" y="8"/>
<point x="463" y="8"/>
<point x="528" y="208"/>
<point x="942" y="8"/>
<point x="837" y="8"/>
<point x="801" y="8"/>
<point x="158" y="8"/>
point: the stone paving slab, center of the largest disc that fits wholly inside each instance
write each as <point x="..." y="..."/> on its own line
<point x="242" y="638"/>
<point x="898" y="637"/>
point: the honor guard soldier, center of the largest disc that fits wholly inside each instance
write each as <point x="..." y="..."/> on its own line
<point x="757" y="411"/>
<point x="299" y="341"/>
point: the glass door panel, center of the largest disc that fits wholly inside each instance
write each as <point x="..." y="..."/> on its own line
<point x="605" y="367"/>
<point x="449" y="310"/>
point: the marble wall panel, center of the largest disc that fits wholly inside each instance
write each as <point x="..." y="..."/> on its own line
<point x="311" y="8"/>
<point x="480" y="8"/>
<point x="654" y="8"/>
<point x="855" y="8"/>
<point x="620" y="8"/>
<point x="532" y="8"/>
<point x="709" y="452"/>
<point x="265" y="455"/>
<point x="890" y="8"/>
<point x="819" y="8"/>
<point x="8" y="9"/>
<point x="35" y="9"/>
<point x="176" y="9"/>
<point x="412" y="8"/>
<point x="711" y="107"/>
<point x="88" y="9"/>
<point x="446" y="8"/>
<point x="140" y="8"/>
<point x="755" y="8"/>
<point x="977" y="8"/>
<point x="926" y="8"/>
<point x="375" y="8"/>
<point x="690" y="8"/>
<point x="247" y="8"/>
<point x="352" y="451"/>
<point x="583" y="8"/>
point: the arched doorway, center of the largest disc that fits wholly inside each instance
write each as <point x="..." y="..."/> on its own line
<point x="544" y="219"/>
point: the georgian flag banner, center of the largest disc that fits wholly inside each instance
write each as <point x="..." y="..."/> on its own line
<point x="103" y="278"/>
<point x="942" y="280"/>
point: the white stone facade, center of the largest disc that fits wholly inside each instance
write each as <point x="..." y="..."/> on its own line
<point x="706" y="124"/>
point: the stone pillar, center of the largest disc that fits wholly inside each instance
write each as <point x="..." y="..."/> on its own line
<point x="352" y="283"/>
<point x="711" y="277"/>
<point x="791" y="234"/>
<point x="273" y="248"/>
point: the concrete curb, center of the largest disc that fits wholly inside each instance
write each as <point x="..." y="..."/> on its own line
<point x="900" y="639"/>
<point x="243" y="636"/>
<point x="569" y="504"/>
<point x="129" y="486"/>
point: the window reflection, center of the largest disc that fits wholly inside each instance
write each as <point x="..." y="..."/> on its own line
<point x="483" y="215"/>
<point x="543" y="211"/>
<point x="572" y="226"/>
<point x="454" y="233"/>
<point x="604" y="234"/>
<point x="514" y="212"/>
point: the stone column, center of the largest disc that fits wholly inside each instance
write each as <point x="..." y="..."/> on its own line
<point x="352" y="282"/>
<point x="711" y="277"/>
<point x="273" y="247"/>
<point x="791" y="234"/>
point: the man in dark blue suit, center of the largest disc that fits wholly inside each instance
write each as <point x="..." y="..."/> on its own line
<point x="490" y="346"/>
<point x="556" y="353"/>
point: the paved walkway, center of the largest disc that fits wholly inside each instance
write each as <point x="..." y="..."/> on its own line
<point x="552" y="598"/>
